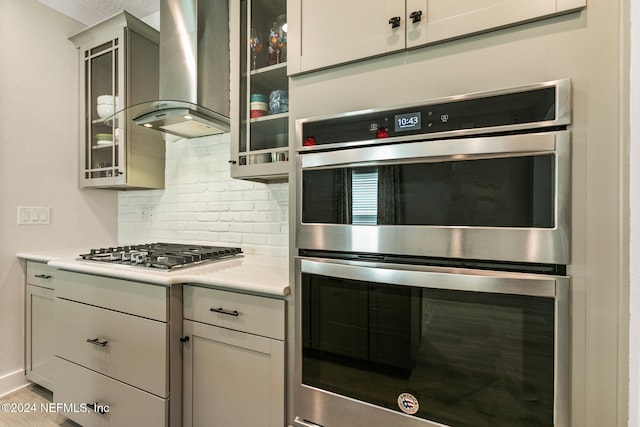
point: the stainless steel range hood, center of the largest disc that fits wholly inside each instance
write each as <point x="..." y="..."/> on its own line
<point x="194" y="70"/>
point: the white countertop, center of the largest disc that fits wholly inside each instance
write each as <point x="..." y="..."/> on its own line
<point x="247" y="273"/>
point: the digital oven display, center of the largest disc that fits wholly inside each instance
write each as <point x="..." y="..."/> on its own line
<point x="409" y="121"/>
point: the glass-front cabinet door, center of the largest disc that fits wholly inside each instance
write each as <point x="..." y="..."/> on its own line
<point x="102" y="159"/>
<point x="119" y="60"/>
<point x="260" y="100"/>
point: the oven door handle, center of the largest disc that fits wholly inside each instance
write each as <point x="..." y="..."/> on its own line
<point x="439" y="150"/>
<point x="455" y="279"/>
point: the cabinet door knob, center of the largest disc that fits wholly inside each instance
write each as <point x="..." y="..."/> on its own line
<point x="395" y="22"/>
<point x="416" y="16"/>
<point x="96" y="341"/>
<point x="223" y="311"/>
<point x="233" y="162"/>
<point x="184" y="339"/>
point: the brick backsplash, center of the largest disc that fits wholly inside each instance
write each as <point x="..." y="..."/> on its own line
<point x="201" y="203"/>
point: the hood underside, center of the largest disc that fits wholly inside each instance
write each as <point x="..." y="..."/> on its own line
<point x="181" y="119"/>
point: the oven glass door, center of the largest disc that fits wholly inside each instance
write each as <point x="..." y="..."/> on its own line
<point x="441" y="198"/>
<point x="457" y="349"/>
<point x="499" y="192"/>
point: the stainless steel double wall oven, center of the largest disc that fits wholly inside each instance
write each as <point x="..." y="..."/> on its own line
<point x="432" y="242"/>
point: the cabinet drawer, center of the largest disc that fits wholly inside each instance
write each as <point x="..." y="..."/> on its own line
<point x="127" y="406"/>
<point x="141" y="299"/>
<point x="128" y="348"/>
<point x="247" y="313"/>
<point x="40" y="274"/>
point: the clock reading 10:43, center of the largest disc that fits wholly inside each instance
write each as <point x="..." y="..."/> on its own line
<point x="409" y="121"/>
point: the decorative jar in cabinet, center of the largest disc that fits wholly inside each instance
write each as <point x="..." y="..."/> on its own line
<point x="259" y="90"/>
<point x="119" y="61"/>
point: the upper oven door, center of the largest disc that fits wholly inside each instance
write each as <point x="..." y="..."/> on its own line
<point x="488" y="198"/>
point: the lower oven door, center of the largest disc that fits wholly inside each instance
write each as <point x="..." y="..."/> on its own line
<point x="403" y="345"/>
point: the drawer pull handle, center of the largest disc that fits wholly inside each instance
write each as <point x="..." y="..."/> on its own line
<point x="184" y="339"/>
<point x="43" y="276"/>
<point x="98" y="409"/>
<point x="96" y="341"/>
<point x="223" y="311"/>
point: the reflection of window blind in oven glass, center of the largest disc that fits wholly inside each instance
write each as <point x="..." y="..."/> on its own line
<point x="364" y="197"/>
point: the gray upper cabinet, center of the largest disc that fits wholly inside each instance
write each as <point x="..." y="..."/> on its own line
<point x="332" y="32"/>
<point x="259" y="90"/>
<point x="118" y="67"/>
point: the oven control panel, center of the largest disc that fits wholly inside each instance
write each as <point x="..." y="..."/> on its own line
<point x="540" y="105"/>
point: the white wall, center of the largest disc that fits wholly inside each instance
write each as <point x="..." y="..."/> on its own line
<point x="201" y="203"/>
<point x="39" y="160"/>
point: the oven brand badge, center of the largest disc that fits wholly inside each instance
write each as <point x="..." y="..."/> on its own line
<point x="408" y="403"/>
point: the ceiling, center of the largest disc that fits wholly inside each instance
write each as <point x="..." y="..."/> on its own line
<point x="90" y="12"/>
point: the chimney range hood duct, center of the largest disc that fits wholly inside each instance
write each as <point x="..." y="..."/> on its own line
<point x="194" y="70"/>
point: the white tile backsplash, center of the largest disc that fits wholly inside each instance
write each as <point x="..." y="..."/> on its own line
<point x="201" y="203"/>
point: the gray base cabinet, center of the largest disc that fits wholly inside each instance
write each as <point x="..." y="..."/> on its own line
<point x="234" y="359"/>
<point x="114" y="352"/>
<point x="39" y="324"/>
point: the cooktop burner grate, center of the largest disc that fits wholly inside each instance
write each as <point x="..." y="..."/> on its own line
<point x="164" y="256"/>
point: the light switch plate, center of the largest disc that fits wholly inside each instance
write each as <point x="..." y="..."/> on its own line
<point x="30" y="215"/>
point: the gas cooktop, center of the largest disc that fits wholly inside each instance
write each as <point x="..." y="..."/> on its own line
<point x="161" y="256"/>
